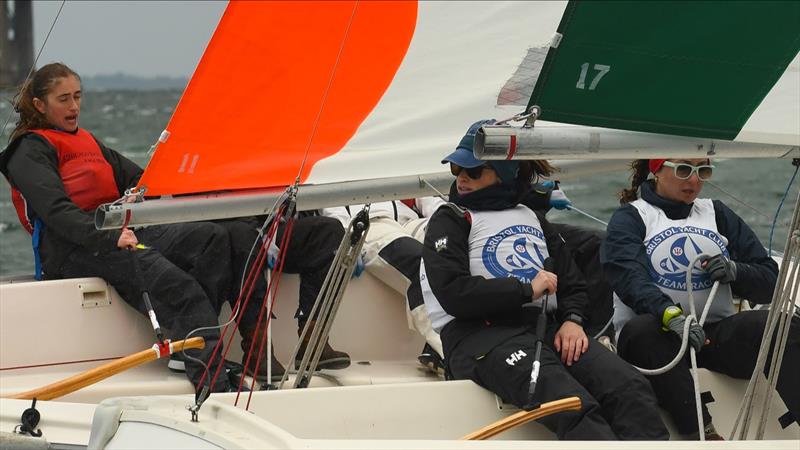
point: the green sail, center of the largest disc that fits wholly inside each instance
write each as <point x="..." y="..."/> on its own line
<point x="683" y="68"/>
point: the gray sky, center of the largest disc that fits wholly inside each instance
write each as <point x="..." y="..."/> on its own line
<point x="145" y="38"/>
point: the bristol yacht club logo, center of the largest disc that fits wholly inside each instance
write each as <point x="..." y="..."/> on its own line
<point x="671" y="251"/>
<point x="519" y="255"/>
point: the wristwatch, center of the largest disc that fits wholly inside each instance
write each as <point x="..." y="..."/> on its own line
<point x="670" y="313"/>
<point x="572" y="317"/>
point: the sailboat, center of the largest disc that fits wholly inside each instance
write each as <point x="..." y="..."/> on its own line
<point x="356" y="102"/>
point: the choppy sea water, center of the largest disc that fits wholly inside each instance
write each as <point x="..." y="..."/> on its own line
<point x="130" y="122"/>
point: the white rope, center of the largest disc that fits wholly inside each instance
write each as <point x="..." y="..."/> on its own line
<point x="692" y="354"/>
<point x="608" y="324"/>
<point x="781" y="307"/>
<point x="698" y="406"/>
<point x="681" y="352"/>
<point x="685" y="341"/>
<point x="785" y="321"/>
<point x="573" y="208"/>
<point x="685" y="334"/>
<point x="269" y="328"/>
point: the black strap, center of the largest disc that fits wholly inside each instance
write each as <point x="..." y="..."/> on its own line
<point x="706" y="397"/>
<point x="787" y="419"/>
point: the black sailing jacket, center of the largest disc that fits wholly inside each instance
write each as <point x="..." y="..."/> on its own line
<point x="626" y="264"/>
<point x="30" y="164"/>
<point x="479" y="303"/>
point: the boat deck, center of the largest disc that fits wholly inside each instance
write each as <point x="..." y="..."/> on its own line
<point x="384" y="395"/>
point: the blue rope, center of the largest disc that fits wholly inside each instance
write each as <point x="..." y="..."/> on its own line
<point x="780" y="205"/>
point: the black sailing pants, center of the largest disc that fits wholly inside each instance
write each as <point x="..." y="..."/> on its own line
<point x="311" y="249"/>
<point x="733" y="350"/>
<point x="185" y="287"/>
<point x="616" y="400"/>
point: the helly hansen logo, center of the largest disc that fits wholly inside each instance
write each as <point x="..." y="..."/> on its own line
<point x="441" y="244"/>
<point x="515" y="357"/>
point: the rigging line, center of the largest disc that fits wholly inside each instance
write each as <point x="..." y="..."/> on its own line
<point x="780" y="205"/>
<point x="762" y="214"/>
<point x="325" y="94"/>
<point x="438" y="192"/>
<point x="273" y="213"/>
<point x="35" y="60"/>
<point x="573" y="208"/>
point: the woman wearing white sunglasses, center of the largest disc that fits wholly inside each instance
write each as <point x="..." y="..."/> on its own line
<point x="650" y="245"/>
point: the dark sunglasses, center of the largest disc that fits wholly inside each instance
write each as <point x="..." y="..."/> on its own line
<point x="473" y="172"/>
<point x="685" y="171"/>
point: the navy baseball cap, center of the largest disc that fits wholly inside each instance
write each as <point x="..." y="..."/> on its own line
<point x="463" y="155"/>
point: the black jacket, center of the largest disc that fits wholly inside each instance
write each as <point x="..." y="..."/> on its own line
<point x="479" y="303"/>
<point x="30" y="164"/>
<point x="625" y="261"/>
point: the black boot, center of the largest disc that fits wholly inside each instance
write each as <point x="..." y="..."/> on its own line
<point x="430" y="359"/>
<point x="330" y="359"/>
<point x="248" y="337"/>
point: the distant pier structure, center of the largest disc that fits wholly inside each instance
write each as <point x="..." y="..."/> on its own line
<point x="16" y="41"/>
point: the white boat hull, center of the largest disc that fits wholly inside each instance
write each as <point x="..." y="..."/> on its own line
<point x="384" y="400"/>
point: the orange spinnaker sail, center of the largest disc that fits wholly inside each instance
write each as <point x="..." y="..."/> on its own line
<point x="279" y="80"/>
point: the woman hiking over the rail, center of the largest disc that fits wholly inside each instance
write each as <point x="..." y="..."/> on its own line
<point x="649" y="246"/>
<point x="483" y="258"/>
<point x="60" y="173"/>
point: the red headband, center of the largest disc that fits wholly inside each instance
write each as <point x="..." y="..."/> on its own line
<point x="655" y="164"/>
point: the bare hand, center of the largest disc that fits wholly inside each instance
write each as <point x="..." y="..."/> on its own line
<point x="571" y="342"/>
<point x="544" y="280"/>
<point x="127" y="240"/>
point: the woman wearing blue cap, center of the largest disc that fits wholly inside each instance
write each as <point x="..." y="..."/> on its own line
<point x="483" y="258"/>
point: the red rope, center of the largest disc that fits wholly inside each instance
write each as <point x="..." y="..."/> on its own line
<point x="62" y="363"/>
<point x="247" y="290"/>
<point x="265" y="245"/>
<point x="274" y="282"/>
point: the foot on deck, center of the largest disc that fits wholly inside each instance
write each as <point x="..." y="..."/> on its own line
<point x="431" y="360"/>
<point x="329" y="359"/>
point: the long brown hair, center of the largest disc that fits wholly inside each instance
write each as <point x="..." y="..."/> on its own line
<point x="528" y="170"/>
<point x="639" y="173"/>
<point x="37" y="86"/>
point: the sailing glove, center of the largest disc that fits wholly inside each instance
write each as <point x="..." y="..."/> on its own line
<point x="697" y="336"/>
<point x="558" y="199"/>
<point x="720" y="268"/>
<point x="273" y="252"/>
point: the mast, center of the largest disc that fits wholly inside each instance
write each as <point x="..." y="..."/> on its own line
<point x="16" y="41"/>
